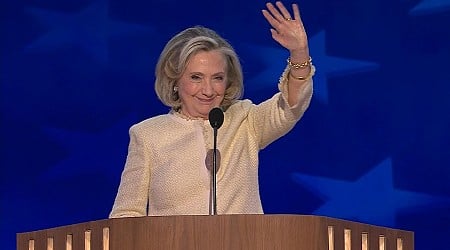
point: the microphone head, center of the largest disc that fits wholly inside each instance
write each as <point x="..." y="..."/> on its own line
<point x="216" y="118"/>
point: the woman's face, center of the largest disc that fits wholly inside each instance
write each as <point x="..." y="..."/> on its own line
<point x="202" y="85"/>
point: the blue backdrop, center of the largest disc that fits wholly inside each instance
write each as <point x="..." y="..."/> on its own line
<point x="373" y="147"/>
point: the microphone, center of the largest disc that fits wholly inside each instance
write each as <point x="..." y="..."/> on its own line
<point x="216" y="120"/>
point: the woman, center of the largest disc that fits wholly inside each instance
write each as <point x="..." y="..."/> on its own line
<point x="166" y="169"/>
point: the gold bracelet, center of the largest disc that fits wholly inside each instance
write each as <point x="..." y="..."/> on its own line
<point x="299" y="65"/>
<point x="302" y="78"/>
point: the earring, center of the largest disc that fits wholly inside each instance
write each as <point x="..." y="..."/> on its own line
<point x="175" y="89"/>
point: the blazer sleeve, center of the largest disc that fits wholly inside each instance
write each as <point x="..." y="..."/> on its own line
<point x="132" y="195"/>
<point x="274" y="117"/>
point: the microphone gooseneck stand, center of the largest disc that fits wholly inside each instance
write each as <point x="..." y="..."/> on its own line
<point x="216" y="120"/>
<point x="214" y="177"/>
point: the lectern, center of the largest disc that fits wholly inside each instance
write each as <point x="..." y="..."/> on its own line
<point x="230" y="232"/>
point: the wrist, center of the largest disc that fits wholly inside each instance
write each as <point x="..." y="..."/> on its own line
<point x="299" y="55"/>
<point x="299" y="64"/>
<point x="301" y="70"/>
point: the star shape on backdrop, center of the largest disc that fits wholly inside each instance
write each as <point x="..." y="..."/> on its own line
<point x="89" y="29"/>
<point x="426" y="7"/>
<point x="90" y="153"/>
<point x="370" y="199"/>
<point x="274" y="60"/>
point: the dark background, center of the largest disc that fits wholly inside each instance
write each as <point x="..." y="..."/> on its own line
<point x="374" y="146"/>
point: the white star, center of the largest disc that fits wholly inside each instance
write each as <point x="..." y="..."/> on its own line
<point x="88" y="29"/>
<point x="430" y="7"/>
<point x="91" y="153"/>
<point x="275" y="61"/>
<point x="370" y="199"/>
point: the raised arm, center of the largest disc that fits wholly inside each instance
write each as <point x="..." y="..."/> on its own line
<point x="290" y="33"/>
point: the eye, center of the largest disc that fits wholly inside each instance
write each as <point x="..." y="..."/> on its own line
<point x="196" y="78"/>
<point x="219" y="78"/>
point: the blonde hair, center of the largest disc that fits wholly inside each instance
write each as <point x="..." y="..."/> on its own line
<point x="176" y="54"/>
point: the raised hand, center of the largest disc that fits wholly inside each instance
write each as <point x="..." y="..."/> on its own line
<point x="287" y="30"/>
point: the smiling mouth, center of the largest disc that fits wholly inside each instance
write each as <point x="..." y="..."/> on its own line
<point x="206" y="100"/>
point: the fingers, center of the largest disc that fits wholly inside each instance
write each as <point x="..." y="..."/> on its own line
<point x="273" y="22"/>
<point x="277" y="15"/>
<point x="296" y="12"/>
<point x="280" y="17"/>
<point x="281" y="13"/>
<point x="285" y="13"/>
<point x="287" y="29"/>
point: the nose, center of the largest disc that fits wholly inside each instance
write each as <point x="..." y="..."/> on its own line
<point x="207" y="88"/>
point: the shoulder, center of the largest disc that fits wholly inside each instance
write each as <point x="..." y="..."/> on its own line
<point x="240" y="107"/>
<point x="152" y="124"/>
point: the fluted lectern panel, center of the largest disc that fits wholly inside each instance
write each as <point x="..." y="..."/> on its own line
<point x="299" y="232"/>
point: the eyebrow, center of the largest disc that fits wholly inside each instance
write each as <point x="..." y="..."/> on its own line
<point x="200" y="73"/>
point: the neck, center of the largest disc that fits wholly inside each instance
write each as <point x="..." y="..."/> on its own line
<point x="185" y="116"/>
